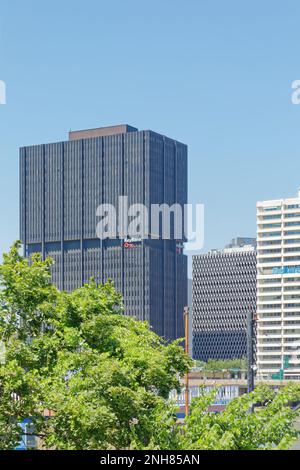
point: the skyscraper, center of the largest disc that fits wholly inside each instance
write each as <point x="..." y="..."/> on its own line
<point x="61" y="186"/>
<point x="278" y="288"/>
<point x="224" y="290"/>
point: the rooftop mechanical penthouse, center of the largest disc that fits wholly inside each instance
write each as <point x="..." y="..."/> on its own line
<point x="61" y="186"/>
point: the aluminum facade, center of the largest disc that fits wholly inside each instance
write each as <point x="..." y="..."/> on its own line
<point x="224" y="289"/>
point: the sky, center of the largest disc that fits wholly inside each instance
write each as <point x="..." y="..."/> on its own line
<point x="215" y="75"/>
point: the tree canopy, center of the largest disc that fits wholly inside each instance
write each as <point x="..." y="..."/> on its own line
<point x="223" y="364"/>
<point x="105" y="376"/>
<point x="270" y="426"/>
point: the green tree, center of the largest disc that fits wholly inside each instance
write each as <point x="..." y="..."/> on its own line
<point x="105" y="376"/>
<point x="225" y="364"/>
<point x="269" y="427"/>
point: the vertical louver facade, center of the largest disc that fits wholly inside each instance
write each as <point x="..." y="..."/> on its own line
<point x="61" y="186"/>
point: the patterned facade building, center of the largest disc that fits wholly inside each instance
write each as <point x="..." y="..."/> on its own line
<point x="224" y="290"/>
<point x="61" y="186"/>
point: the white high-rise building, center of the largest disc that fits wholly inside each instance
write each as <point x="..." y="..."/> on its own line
<point x="278" y="288"/>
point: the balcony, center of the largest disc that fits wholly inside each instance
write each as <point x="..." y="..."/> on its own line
<point x="262" y="210"/>
<point x="268" y="246"/>
<point x="269" y="353"/>
<point x="291" y="318"/>
<point x="272" y="328"/>
<point x="286" y="219"/>
<point x="292" y="344"/>
<point x="271" y="263"/>
<point x="268" y="294"/>
<point x="270" y="229"/>
<point x="294" y="210"/>
<point x="269" y="301"/>
<point x="276" y="363"/>
<point x="291" y="262"/>
<point x="266" y="320"/>
<point x="294" y="308"/>
<point x="290" y="284"/>
<point x="268" y="255"/>
<point x="276" y="344"/>
<point x="291" y="334"/>
<point x="286" y="235"/>
<point x="261" y="311"/>
<point x="292" y="245"/>
<point x="291" y="328"/>
<point x="295" y="362"/>
<point x="269" y="238"/>
<point x="269" y="285"/>
<point x="287" y="292"/>
<point x="262" y="335"/>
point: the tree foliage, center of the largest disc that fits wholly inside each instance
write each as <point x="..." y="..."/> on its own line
<point x="223" y="364"/>
<point x="270" y="426"/>
<point x="105" y="376"/>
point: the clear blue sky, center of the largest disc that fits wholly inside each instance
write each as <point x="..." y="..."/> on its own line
<point x="216" y="75"/>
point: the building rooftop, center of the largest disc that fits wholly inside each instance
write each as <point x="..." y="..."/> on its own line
<point x="274" y="202"/>
<point x="101" y="132"/>
<point x="239" y="244"/>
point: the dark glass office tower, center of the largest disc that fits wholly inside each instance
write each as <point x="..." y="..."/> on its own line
<point x="61" y="186"/>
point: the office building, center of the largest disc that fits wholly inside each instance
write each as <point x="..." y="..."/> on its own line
<point x="278" y="288"/>
<point x="224" y="290"/>
<point x="61" y="186"/>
